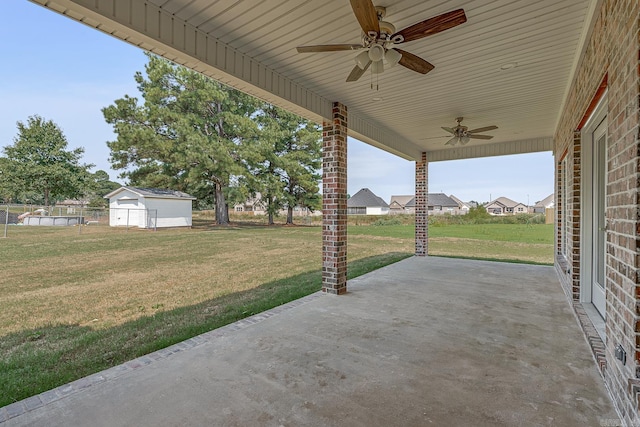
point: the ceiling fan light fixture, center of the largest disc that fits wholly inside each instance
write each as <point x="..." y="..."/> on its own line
<point x="462" y="134"/>
<point x="452" y="141"/>
<point x="377" y="67"/>
<point x="378" y="36"/>
<point x="376" y="53"/>
<point x="362" y="59"/>
<point x="392" y="57"/>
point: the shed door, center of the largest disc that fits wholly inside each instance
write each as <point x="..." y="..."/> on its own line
<point x="127" y="213"/>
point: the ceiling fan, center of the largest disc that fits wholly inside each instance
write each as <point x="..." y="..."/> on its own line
<point x="462" y="135"/>
<point x="380" y="38"/>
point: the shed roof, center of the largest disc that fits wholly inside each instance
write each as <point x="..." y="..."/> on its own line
<point x="366" y="198"/>
<point x="152" y="193"/>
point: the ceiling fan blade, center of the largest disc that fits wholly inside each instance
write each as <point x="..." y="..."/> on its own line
<point x="432" y="25"/>
<point x="484" y="129"/>
<point x="435" y="137"/>
<point x="328" y="48"/>
<point x="357" y="72"/>
<point x="414" y="62"/>
<point x="480" y="136"/>
<point x="452" y="141"/>
<point x="366" y="15"/>
<point x="449" y="130"/>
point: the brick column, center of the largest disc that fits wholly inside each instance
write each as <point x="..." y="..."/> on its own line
<point x="422" y="222"/>
<point x="574" y="195"/>
<point x="334" y="202"/>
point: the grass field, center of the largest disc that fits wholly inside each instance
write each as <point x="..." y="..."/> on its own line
<point x="502" y="242"/>
<point x="78" y="301"/>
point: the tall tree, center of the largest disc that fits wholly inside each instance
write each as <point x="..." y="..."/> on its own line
<point x="6" y="193"/>
<point x="186" y="134"/>
<point x="263" y="161"/>
<point x="285" y="160"/>
<point x="39" y="163"/>
<point x="101" y="185"/>
<point x="301" y="161"/>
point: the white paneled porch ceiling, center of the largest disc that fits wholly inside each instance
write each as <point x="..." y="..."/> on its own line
<point x="509" y="65"/>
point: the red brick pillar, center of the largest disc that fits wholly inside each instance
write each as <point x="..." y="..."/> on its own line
<point x="334" y="202"/>
<point x="422" y="222"/>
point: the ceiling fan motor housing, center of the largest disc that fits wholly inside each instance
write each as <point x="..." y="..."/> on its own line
<point x="386" y="29"/>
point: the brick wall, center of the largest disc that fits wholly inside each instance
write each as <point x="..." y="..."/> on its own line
<point x="573" y="200"/>
<point x="334" y="202"/>
<point x="422" y="220"/>
<point x="568" y="263"/>
<point x="611" y="56"/>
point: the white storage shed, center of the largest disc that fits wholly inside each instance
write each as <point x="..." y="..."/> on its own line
<point x="149" y="208"/>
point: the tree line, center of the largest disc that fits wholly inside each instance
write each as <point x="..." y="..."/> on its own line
<point x="38" y="168"/>
<point x="187" y="132"/>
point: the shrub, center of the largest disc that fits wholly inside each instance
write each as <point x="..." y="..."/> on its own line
<point x="478" y="213"/>
<point x="388" y="220"/>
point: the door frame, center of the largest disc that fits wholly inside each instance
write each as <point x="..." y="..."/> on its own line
<point x="587" y="221"/>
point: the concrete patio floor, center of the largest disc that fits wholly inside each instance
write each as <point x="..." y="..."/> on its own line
<point x="426" y="341"/>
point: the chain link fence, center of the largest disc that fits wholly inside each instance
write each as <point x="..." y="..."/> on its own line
<point x="130" y="217"/>
<point x="39" y="215"/>
<point x="81" y="216"/>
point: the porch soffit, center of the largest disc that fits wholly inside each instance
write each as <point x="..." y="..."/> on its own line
<point x="252" y="47"/>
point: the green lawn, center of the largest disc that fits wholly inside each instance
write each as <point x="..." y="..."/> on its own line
<point x="76" y="301"/>
<point x="529" y="243"/>
<point x="523" y="233"/>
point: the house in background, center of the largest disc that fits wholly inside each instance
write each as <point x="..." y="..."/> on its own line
<point x="149" y="208"/>
<point x="253" y="205"/>
<point x="440" y="204"/>
<point x="256" y="206"/>
<point x="437" y="204"/>
<point x="398" y="205"/>
<point x="544" y="204"/>
<point x="505" y="206"/>
<point x="364" y="202"/>
<point x="463" y="207"/>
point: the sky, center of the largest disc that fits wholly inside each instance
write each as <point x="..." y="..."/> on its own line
<point x="66" y="72"/>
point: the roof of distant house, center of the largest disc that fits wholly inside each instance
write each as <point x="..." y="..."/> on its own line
<point x="401" y="200"/>
<point x="547" y="202"/>
<point x="504" y="201"/>
<point x="460" y="203"/>
<point x="152" y="193"/>
<point x="436" y="199"/>
<point x="441" y="199"/>
<point x="366" y="198"/>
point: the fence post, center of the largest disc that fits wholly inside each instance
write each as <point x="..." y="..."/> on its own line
<point x="155" y="224"/>
<point x="80" y="222"/>
<point x="6" y="221"/>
